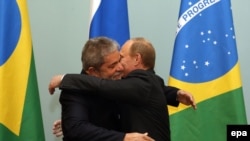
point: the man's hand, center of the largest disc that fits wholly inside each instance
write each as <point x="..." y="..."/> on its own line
<point x="54" y="83"/>
<point x="186" y="98"/>
<point x="57" y="129"/>
<point x="137" y="137"/>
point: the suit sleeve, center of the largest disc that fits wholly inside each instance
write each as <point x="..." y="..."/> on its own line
<point x="171" y="95"/>
<point x="134" y="90"/>
<point x="75" y="121"/>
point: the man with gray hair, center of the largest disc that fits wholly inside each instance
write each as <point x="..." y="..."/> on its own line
<point x="141" y="94"/>
<point x="86" y="117"/>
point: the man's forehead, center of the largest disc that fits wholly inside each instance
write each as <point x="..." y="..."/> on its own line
<point x="112" y="58"/>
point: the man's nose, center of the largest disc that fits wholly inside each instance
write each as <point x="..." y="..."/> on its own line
<point x="119" y="67"/>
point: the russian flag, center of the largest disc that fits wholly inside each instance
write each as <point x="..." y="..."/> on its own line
<point x="110" y="18"/>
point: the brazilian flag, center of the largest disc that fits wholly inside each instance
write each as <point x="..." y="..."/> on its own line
<point x="205" y="63"/>
<point x="20" y="111"/>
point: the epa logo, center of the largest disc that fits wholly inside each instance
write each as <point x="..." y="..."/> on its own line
<point x="238" y="132"/>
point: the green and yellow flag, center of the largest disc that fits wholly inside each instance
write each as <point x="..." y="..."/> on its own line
<point x="205" y="63"/>
<point x="20" y="111"/>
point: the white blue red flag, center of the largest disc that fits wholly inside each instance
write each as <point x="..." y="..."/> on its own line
<point x="110" y="18"/>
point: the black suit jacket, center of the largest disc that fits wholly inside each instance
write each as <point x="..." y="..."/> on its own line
<point x="141" y="97"/>
<point x="87" y="117"/>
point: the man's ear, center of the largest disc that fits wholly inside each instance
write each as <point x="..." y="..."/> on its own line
<point x="92" y="71"/>
<point x="138" y="58"/>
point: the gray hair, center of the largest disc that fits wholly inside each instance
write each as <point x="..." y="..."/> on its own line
<point x="95" y="50"/>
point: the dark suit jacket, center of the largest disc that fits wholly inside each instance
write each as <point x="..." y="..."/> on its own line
<point x="88" y="117"/>
<point x="141" y="97"/>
